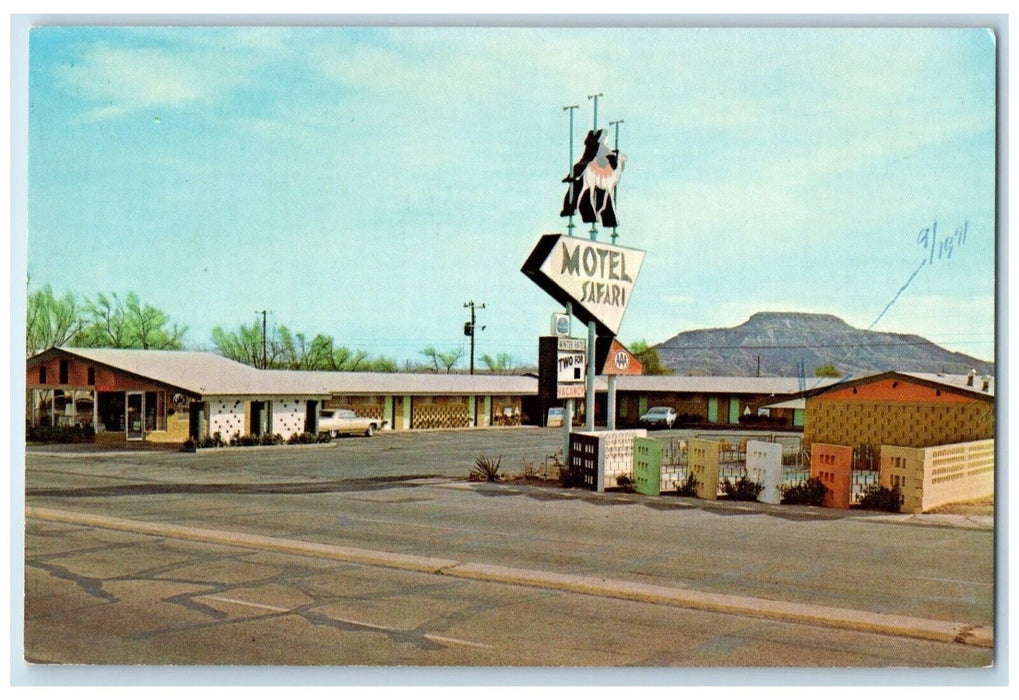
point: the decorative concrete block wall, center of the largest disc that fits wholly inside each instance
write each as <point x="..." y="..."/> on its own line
<point x="609" y="452"/>
<point x="288" y="417"/>
<point x="226" y="417"/>
<point x="934" y="476"/>
<point x="764" y="465"/>
<point x="616" y="451"/>
<point x="647" y="466"/>
<point x="583" y="456"/>
<point x="440" y="412"/>
<point x="833" y="465"/>
<point x="896" y="422"/>
<point x="369" y="406"/>
<point x="702" y="463"/>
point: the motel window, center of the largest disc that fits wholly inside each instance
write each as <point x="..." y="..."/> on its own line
<point x="64" y="371"/>
<point x="42" y="374"/>
<point x="155" y="410"/>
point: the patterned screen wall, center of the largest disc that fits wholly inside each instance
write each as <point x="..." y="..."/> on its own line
<point x="896" y="423"/>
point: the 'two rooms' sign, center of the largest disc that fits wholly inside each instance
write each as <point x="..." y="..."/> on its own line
<point x="595" y="277"/>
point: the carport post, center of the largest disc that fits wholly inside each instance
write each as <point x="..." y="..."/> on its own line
<point x="591" y="369"/>
<point x="567" y="428"/>
<point x="611" y="412"/>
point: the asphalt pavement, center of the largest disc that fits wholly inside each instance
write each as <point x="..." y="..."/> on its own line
<point x="399" y="505"/>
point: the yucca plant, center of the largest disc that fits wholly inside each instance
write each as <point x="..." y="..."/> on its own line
<point x="485" y="469"/>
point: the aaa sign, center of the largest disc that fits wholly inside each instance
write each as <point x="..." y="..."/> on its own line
<point x="596" y="278"/>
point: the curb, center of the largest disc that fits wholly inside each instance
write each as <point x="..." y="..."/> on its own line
<point x="804" y="613"/>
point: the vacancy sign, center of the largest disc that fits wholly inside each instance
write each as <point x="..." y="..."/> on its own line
<point x="571" y="366"/>
<point x="596" y="278"/>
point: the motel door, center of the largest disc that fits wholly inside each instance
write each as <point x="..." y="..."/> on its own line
<point x="712" y="410"/>
<point x="135" y="415"/>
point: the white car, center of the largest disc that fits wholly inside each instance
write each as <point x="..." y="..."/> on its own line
<point x="659" y="417"/>
<point x="343" y="421"/>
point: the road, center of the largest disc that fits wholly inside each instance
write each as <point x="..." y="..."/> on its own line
<point x="379" y="552"/>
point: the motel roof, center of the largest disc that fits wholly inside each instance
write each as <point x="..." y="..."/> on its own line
<point x="394" y="383"/>
<point x="208" y="374"/>
<point x="199" y="373"/>
<point x="777" y="386"/>
<point x="959" y="383"/>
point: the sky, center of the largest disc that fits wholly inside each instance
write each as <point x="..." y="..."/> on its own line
<point x="367" y="182"/>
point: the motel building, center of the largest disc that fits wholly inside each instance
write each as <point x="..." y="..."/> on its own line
<point x="932" y="434"/>
<point x="161" y="396"/>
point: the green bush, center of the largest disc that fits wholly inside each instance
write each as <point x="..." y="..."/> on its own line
<point x="485" y="469"/>
<point x="302" y="439"/>
<point x="689" y="487"/>
<point x="60" y="433"/>
<point x="810" y="492"/>
<point x="625" y="481"/>
<point x="878" y="497"/>
<point x="742" y="490"/>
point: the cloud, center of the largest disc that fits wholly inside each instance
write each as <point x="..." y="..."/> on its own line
<point x="118" y="80"/>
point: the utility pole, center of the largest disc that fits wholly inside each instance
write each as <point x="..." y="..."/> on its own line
<point x="469" y="327"/>
<point x="265" y="361"/>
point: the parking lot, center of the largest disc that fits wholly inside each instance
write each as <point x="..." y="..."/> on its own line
<point x="309" y="555"/>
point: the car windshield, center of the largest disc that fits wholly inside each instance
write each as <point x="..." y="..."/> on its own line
<point x="326" y="414"/>
<point x="659" y="409"/>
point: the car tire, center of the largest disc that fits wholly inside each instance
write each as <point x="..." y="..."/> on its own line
<point x="370" y="431"/>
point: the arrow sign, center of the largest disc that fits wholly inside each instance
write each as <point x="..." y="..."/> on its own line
<point x="595" y="277"/>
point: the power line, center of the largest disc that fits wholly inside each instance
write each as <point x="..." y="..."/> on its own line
<point x="809" y="346"/>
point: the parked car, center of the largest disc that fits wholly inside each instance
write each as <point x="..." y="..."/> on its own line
<point x="342" y="421"/>
<point x="659" y="417"/>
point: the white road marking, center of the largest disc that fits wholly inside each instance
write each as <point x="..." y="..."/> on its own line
<point x="245" y="602"/>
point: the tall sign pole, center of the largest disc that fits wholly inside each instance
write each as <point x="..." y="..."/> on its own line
<point x="568" y="409"/>
<point x="593" y="280"/>
<point x="570" y="108"/>
<point x="594" y="98"/>
<point x="614" y="195"/>
<point x="591" y="331"/>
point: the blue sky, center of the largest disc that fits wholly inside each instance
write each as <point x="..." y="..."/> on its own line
<point x="365" y="182"/>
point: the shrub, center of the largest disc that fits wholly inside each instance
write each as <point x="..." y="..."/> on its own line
<point x="810" y="492"/>
<point x="742" y="490"/>
<point x="59" y="433"/>
<point x="485" y="469"/>
<point x="302" y="439"/>
<point x="569" y="476"/>
<point x="528" y="469"/>
<point x="625" y="481"/>
<point x="689" y="487"/>
<point x="188" y="446"/>
<point x="877" y="497"/>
